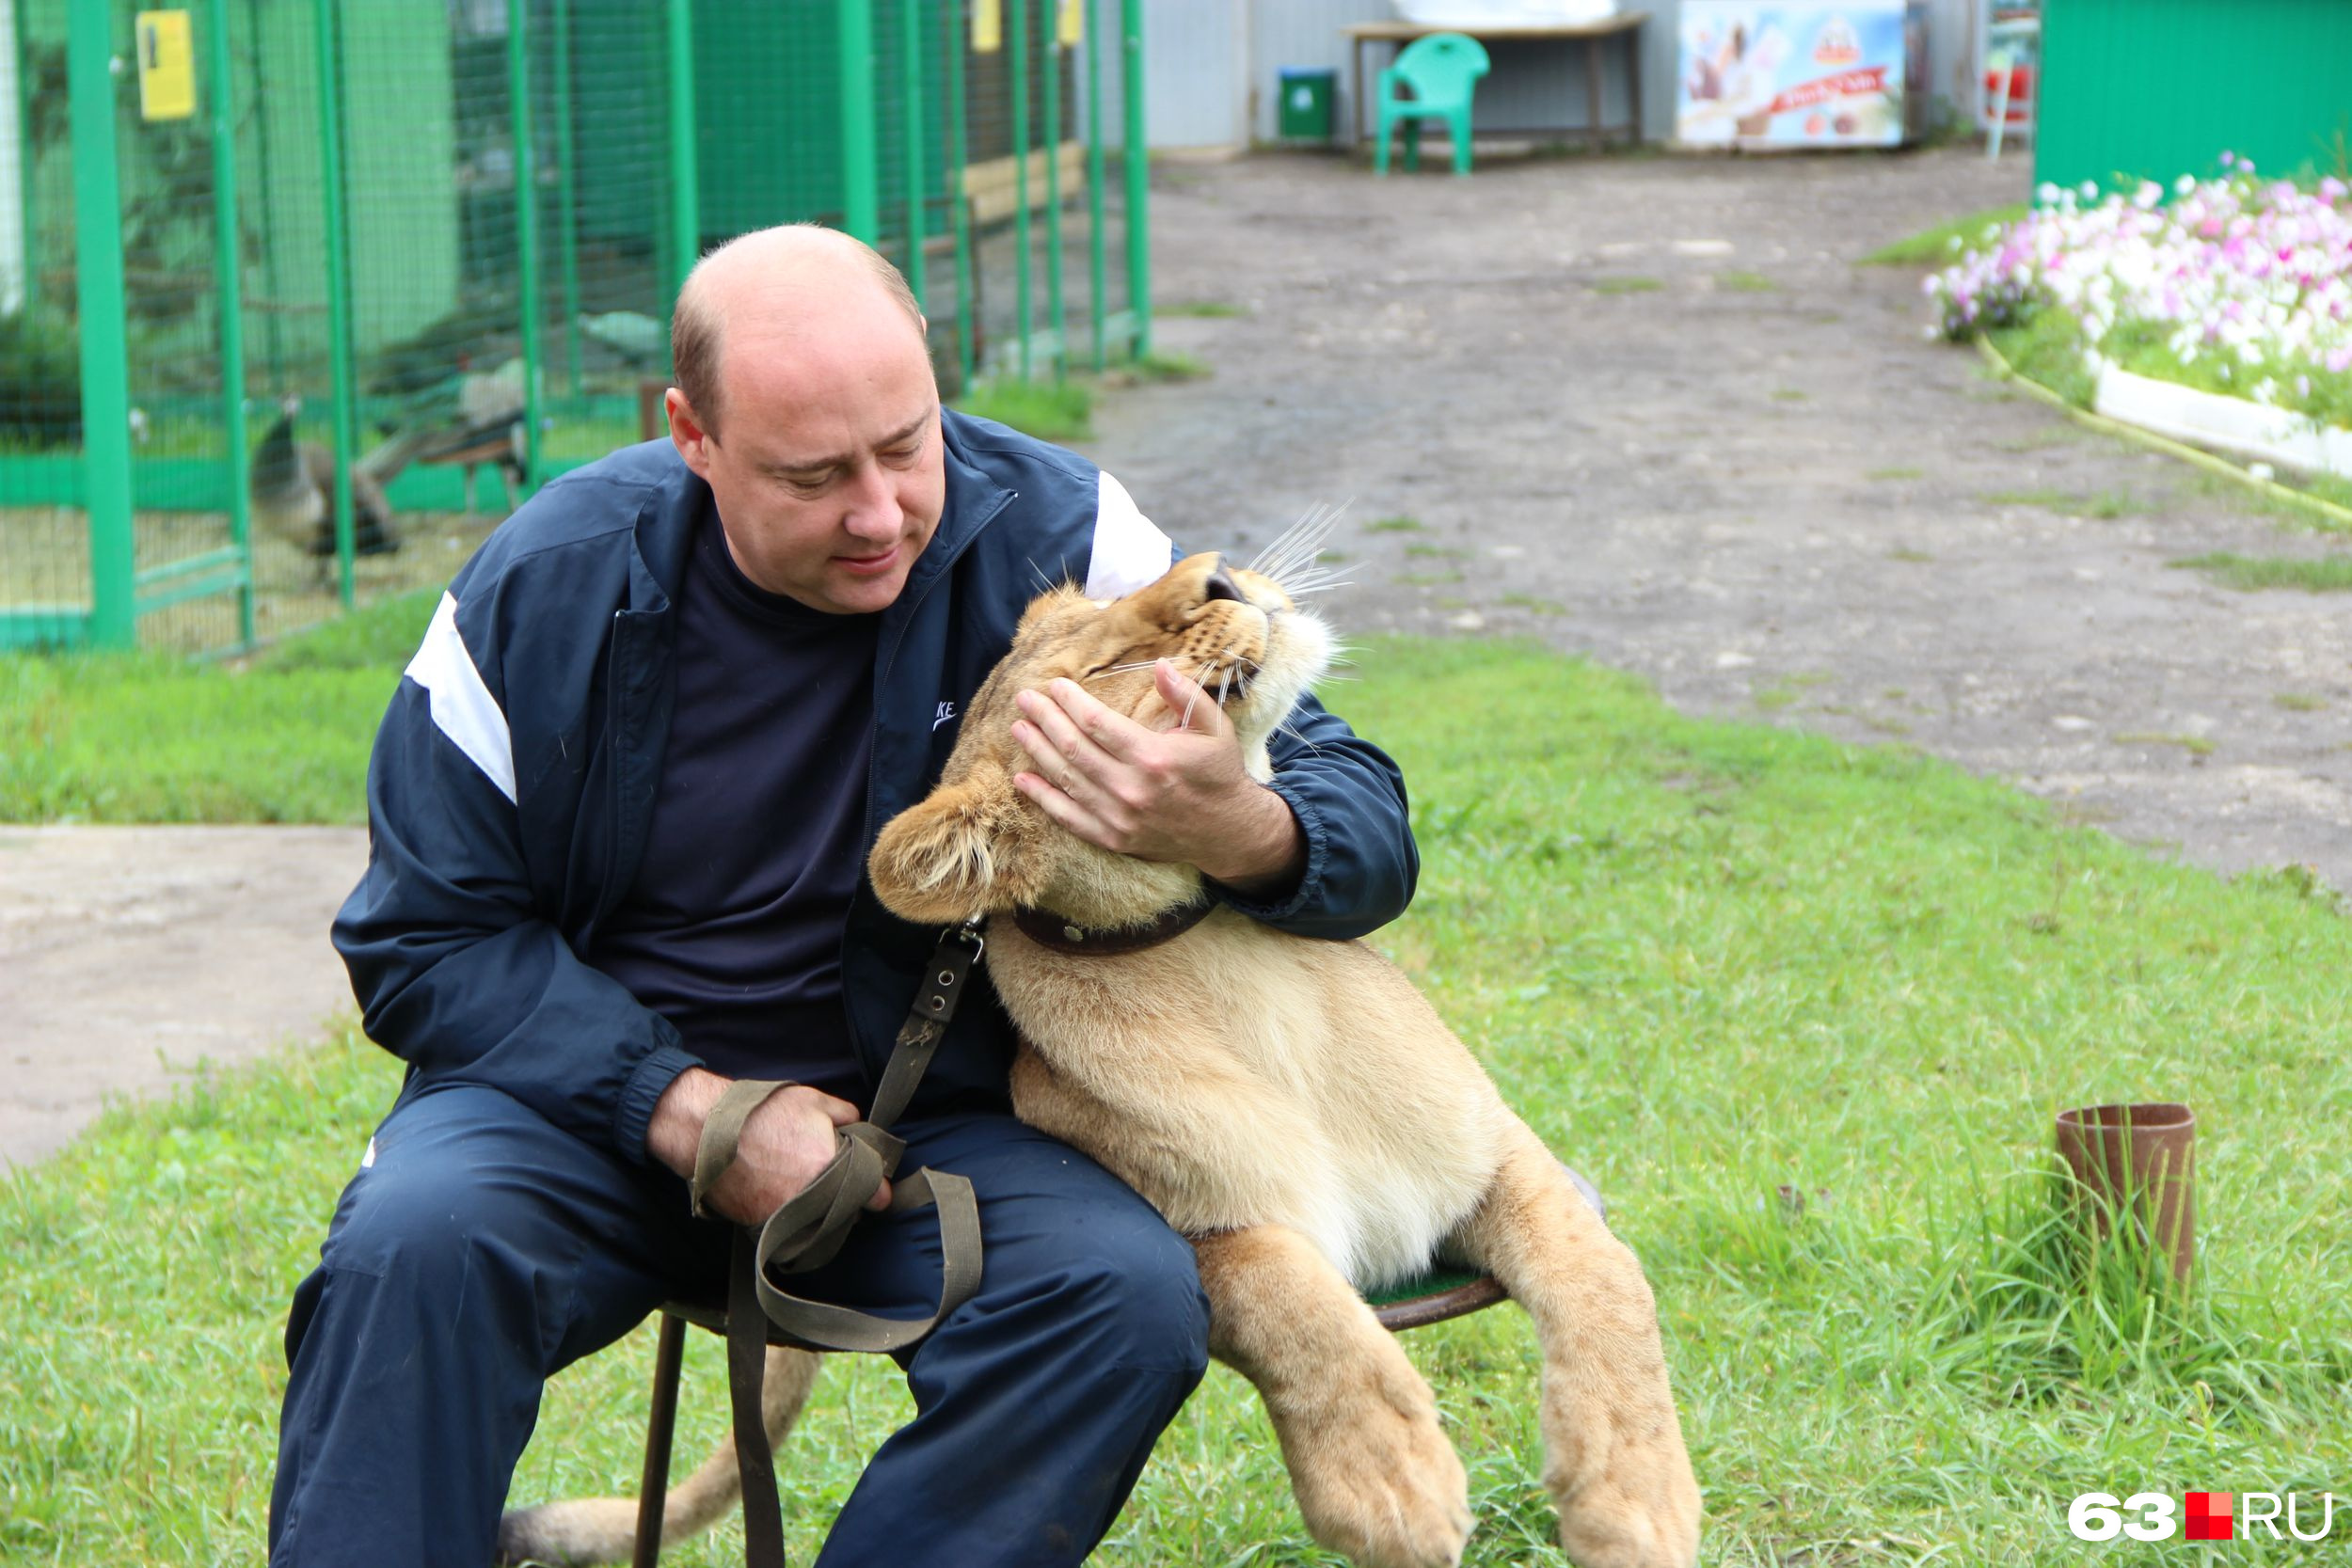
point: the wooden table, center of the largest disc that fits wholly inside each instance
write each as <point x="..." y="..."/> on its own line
<point x="1397" y="34"/>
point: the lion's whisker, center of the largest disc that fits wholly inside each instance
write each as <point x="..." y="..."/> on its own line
<point x="1281" y="544"/>
<point x="1299" y="544"/>
<point x="1302" y="549"/>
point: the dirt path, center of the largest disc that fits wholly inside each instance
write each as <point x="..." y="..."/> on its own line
<point x="1654" y="413"/>
<point x="126" y="954"/>
<point x="1645" y="408"/>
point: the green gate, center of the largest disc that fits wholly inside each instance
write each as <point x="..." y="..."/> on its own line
<point x="311" y="270"/>
<point x="2135" y="89"/>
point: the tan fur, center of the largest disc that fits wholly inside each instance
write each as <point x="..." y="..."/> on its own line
<point x="1296" y="1108"/>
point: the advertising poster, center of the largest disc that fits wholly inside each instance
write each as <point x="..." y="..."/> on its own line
<point x="1762" y="75"/>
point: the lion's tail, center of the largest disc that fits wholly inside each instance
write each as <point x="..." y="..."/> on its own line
<point x="604" y="1529"/>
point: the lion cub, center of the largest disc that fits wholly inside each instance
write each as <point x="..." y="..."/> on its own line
<point x="1294" y="1107"/>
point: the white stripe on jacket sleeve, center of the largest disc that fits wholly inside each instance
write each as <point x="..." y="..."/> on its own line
<point x="463" y="708"/>
<point x="1129" y="551"/>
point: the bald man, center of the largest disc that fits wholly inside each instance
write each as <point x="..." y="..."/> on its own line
<point x="619" y="811"/>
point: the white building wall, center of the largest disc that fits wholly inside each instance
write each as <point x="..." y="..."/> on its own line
<point x="1197" y="76"/>
<point x="1213" y="67"/>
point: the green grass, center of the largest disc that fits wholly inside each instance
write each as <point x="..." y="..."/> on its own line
<point x="2195" y="745"/>
<point x="1746" y="283"/>
<point x="1436" y="552"/>
<point x="1890" y="476"/>
<point x="281" y="738"/>
<point x="1942" y="244"/>
<point x="2298" y="702"/>
<point x="1634" y="285"/>
<point x="2048" y="349"/>
<point x="1051" y="411"/>
<point x="1214" y="309"/>
<point x="2250" y="573"/>
<point x="1784" y="692"/>
<point x="1395" y="525"/>
<point x="2105" y="504"/>
<point x="2328" y="487"/>
<point x="1706" y="961"/>
<point x="1157" y="366"/>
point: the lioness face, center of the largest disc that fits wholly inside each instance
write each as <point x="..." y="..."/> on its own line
<point x="977" y="845"/>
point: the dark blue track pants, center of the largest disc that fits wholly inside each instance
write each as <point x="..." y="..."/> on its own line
<point x="483" y="1249"/>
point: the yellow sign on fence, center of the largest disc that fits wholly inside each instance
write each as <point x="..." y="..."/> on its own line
<point x="166" y="66"/>
<point x="1072" y="23"/>
<point x="987" y="25"/>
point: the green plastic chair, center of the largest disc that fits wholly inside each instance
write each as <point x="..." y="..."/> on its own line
<point x="1442" y="69"/>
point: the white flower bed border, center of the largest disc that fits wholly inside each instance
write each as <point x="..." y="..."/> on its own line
<point x="2231" y="424"/>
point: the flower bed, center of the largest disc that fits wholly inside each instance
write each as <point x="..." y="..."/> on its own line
<point x="2237" y="286"/>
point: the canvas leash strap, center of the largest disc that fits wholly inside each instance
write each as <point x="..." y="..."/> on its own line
<point x="807" y="1232"/>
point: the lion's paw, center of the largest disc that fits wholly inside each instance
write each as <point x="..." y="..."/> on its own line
<point x="1377" y="1481"/>
<point x="1642" y="1512"/>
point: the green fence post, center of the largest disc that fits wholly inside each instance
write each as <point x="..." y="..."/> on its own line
<point x="337" y="286"/>
<point x="567" y="195"/>
<point x="1139" y="160"/>
<point x="1053" y="315"/>
<point x="526" y="230"/>
<point x="106" y="355"/>
<point x="686" y="223"/>
<point x="27" y="163"/>
<point x="1017" y="54"/>
<point x="1097" y="263"/>
<point x="967" y="318"/>
<point x="228" y="264"/>
<point x="861" y="183"/>
<point x="910" y="119"/>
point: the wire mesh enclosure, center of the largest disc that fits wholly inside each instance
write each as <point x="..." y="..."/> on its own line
<point x="299" y="296"/>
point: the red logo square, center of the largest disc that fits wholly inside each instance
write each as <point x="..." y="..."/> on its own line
<point x="2208" y="1515"/>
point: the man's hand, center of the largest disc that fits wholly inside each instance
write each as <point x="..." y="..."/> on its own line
<point x="1174" y="794"/>
<point x="788" y="1139"/>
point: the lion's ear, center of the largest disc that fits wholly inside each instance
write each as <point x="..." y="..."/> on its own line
<point x="962" y="851"/>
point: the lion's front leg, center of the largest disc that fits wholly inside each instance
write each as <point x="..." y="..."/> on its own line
<point x="1374" y="1476"/>
<point x="1615" y="1460"/>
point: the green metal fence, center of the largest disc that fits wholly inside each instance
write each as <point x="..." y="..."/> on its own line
<point x="2135" y="89"/>
<point x="305" y="293"/>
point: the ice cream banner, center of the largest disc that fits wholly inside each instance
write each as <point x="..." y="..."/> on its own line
<point x="1764" y="75"/>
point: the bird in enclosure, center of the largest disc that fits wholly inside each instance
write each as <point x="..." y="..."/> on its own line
<point x="292" y="485"/>
<point x="637" y="339"/>
<point x="468" y="418"/>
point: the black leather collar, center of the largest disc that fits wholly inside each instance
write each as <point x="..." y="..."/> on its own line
<point x="1048" y="929"/>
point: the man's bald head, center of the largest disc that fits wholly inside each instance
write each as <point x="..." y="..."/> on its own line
<point x="770" y="282"/>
